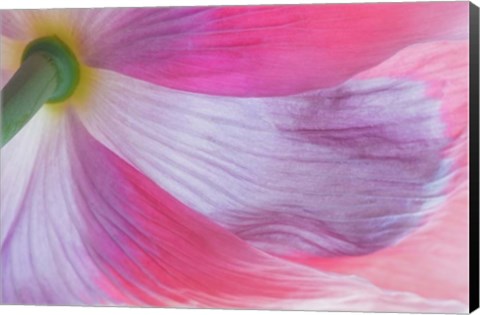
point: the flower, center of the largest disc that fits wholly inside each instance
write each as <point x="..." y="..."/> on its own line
<point x="293" y="157"/>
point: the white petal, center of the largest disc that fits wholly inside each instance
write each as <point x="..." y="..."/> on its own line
<point x="44" y="259"/>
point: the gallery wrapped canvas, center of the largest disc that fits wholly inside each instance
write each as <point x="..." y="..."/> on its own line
<point x="287" y="157"/>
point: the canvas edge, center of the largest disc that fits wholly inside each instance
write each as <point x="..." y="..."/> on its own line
<point x="474" y="158"/>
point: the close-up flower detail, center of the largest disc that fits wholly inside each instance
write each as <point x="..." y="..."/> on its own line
<point x="267" y="157"/>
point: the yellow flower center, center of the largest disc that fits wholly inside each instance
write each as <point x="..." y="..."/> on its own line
<point x="58" y="25"/>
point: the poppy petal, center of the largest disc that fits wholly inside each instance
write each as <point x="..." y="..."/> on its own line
<point x="440" y="248"/>
<point x="328" y="172"/>
<point x="269" y="50"/>
<point x="91" y="229"/>
<point x="44" y="259"/>
<point x="244" y="51"/>
<point x="435" y="254"/>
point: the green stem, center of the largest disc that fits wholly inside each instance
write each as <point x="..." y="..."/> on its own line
<point x="29" y="88"/>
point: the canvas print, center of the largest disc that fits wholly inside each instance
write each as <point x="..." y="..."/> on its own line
<point x="294" y="157"/>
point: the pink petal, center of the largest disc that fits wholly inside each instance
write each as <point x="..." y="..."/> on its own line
<point x="433" y="262"/>
<point x="92" y="229"/>
<point x="342" y="171"/>
<point x="439" y="250"/>
<point x="269" y="50"/>
<point x="244" y="51"/>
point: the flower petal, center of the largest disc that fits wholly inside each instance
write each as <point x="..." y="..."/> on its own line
<point x="433" y="262"/>
<point x="92" y="229"/>
<point x="268" y="50"/>
<point x="44" y="259"/>
<point x="244" y="51"/>
<point x="440" y="248"/>
<point x="329" y="172"/>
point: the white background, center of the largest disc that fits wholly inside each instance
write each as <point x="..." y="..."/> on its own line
<point x="54" y="310"/>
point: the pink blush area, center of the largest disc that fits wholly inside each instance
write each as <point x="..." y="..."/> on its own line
<point x="433" y="262"/>
<point x="277" y="50"/>
<point x="5" y="75"/>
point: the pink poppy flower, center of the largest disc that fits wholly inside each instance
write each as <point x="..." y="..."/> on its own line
<point x="286" y="157"/>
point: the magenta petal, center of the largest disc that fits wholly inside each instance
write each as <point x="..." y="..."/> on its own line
<point x="275" y="50"/>
<point x="245" y="51"/>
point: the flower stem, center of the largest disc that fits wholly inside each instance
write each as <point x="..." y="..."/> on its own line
<point x="29" y="88"/>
